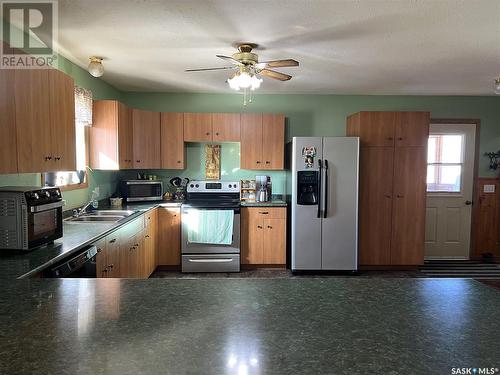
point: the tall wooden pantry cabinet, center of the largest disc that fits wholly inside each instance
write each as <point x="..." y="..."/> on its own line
<point x="393" y="171"/>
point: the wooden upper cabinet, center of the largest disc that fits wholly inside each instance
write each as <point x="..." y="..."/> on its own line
<point x="172" y="141"/>
<point x="408" y="217"/>
<point x="125" y="137"/>
<point x="412" y="129"/>
<point x="146" y="135"/>
<point x="251" y="141"/>
<point x="33" y="127"/>
<point x="226" y="127"/>
<point x="375" y="214"/>
<point x="273" y="141"/>
<point x="197" y="127"/>
<point x="8" y="144"/>
<point x="111" y="145"/>
<point x="373" y="128"/>
<point x="62" y="118"/>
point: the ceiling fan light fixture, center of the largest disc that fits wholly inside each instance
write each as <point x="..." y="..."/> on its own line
<point x="497" y="86"/>
<point x="244" y="80"/>
<point x="95" y="67"/>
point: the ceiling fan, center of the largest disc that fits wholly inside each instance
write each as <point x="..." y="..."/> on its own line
<point x="248" y="68"/>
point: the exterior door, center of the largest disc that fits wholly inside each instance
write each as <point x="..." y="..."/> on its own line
<point x="450" y="179"/>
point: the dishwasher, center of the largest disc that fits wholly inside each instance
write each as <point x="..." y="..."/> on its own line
<point x="82" y="265"/>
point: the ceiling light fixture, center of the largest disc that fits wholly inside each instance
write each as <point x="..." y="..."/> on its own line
<point x="497" y="86"/>
<point x="96" y="68"/>
<point x="244" y="79"/>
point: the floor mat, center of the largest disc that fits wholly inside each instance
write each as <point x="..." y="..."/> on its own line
<point x="461" y="268"/>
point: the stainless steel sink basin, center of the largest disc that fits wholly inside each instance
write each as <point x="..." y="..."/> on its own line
<point x="123" y="213"/>
<point x="95" y="218"/>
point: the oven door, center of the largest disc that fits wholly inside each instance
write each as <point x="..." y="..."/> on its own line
<point x="44" y="223"/>
<point x="207" y="248"/>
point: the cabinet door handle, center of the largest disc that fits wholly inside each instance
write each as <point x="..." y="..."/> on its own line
<point x="178" y="161"/>
<point x="400" y="138"/>
<point x="147" y="236"/>
<point x="258" y="162"/>
<point x="387" y="195"/>
<point x="136" y="245"/>
<point x="259" y="226"/>
<point x="390" y="138"/>
<point x="216" y="133"/>
<point x="270" y="227"/>
<point x="137" y="161"/>
<point x="400" y="196"/>
<point x="113" y="240"/>
<point x="268" y="162"/>
<point x="111" y="266"/>
<point x="47" y="158"/>
<point x="57" y="158"/>
<point x="207" y="133"/>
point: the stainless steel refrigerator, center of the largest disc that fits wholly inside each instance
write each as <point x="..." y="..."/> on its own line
<point x="325" y="174"/>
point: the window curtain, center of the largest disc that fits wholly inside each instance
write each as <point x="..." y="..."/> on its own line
<point x="83" y="106"/>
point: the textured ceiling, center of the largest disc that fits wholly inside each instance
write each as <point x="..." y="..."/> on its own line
<point x="344" y="47"/>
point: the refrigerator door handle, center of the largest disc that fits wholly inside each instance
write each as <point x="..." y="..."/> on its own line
<point x="326" y="188"/>
<point x="319" y="188"/>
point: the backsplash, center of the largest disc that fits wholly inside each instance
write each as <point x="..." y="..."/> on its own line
<point x="230" y="168"/>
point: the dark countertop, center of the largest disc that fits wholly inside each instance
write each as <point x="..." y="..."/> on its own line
<point x="271" y="203"/>
<point x="248" y="326"/>
<point x="24" y="264"/>
<point x="21" y="264"/>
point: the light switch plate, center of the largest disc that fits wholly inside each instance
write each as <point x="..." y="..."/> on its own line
<point x="489" y="188"/>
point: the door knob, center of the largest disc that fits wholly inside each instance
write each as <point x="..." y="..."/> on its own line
<point x="468" y="203"/>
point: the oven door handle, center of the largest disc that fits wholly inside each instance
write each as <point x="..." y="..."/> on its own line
<point x="221" y="260"/>
<point x="46" y="207"/>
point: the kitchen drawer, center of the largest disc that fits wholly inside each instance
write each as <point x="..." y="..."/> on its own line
<point x="267" y="212"/>
<point x="211" y="263"/>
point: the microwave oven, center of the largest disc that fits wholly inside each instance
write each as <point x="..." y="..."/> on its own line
<point x="29" y="216"/>
<point x="141" y="190"/>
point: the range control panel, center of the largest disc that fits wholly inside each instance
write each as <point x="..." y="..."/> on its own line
<point x="213" y="187"/>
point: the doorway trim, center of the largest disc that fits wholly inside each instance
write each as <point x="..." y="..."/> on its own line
<point x="475" y="192"/>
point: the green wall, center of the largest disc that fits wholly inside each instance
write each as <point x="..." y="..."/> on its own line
<point x="316" y="115"/>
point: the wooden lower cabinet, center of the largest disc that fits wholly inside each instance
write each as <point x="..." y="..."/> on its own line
<point x="129" y="252"/>
<point x="150" y="242"/>
<point x="263" y="235"/>
<point x="169" y="236"/>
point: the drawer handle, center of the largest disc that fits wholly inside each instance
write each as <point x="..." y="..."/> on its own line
<point x="268" y="162"/>
<point x="113" y="240"/>
<point x="178" y="161"/>
<point x="264" y="213"/>
<point x="222" y="260"/>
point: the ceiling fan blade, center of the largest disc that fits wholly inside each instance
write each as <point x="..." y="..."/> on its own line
<point x="278" y="63"/>
<point x="208" y="69"/>
<point x="230" y="59"/>
<point x="275" y="75"/>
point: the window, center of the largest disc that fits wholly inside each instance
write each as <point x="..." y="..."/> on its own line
<point x="83" y="119"/>
<point x="445" y="163"/>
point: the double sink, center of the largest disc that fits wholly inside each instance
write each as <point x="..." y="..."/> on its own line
<point x="109" y="216"/>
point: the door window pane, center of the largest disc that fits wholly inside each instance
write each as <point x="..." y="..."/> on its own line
<point x="445" y="148"/>
<point x="445" y="162"/>
<point x="444" y="178"/>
